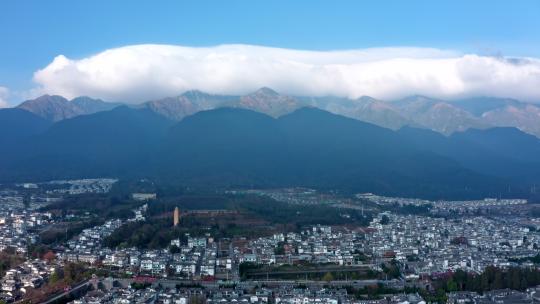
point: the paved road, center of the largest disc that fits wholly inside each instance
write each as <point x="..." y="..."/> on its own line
<point x="250" y="284"/>
<point x="66" y="293"/>
<point x="263" y="272"/>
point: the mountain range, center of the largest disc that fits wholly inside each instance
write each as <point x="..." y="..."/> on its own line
<point x="445" y="117"/>
<point x="56" y="108"/>
<point x="226" y="142"/>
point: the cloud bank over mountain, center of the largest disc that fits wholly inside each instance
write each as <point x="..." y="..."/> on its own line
<point x="143" y="72"/>
<point x="4" y="93"/>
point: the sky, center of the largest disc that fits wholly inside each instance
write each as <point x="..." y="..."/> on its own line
<point x="441" y="48"/>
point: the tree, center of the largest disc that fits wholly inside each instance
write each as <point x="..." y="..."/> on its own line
<point x="38" y="251"/>
<point x="56" y="276"/>
<point x="498" y="281"/>
<point x="459" y="241"/>
<point x="244" y="267"/>
<point x="138" y="286"/>
<point x="74" y="272"/>
<point x="49" y="256"/>
<point x="280" y="249"/>
<point x="328" y="277"/>
<point x="196" y="299"/>
<point x="385" y="220"/>
<point x="174" y="249"/>
<point x="484" y="281"/>
<point x="451" y="285"/>
<point x="171" y="271"/>
<point x="516" y="278"/>
<point x="441" y="295"/>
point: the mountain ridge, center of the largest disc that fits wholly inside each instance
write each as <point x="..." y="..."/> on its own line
<point x="237" y="148"/>
<point x="445" y="117"/>
<point x="56" y="108"/>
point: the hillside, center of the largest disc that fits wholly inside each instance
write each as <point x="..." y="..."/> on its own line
<point x="228" y="148"/>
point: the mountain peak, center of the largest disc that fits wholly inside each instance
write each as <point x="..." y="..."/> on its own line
<point x="85" y="99"/>
<point x="194" y="94"/>
<point x="47" y="98"/>
<point x="265" y="91"/>
<point x="366" y="98"/>
<point x="418" y="99"/>
<point x="267" y="101"/>
<point x="56" y="108"/>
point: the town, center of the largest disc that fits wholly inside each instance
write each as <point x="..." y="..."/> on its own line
<point x="397" y="257"/>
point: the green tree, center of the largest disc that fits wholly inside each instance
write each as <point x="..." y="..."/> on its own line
<point x="328" y="277"/>
<point x="451" y="285"/>
<point x="174" y="249"/>
<point x="498" y="282"/>
<point x="516" y="278"/>
<point x="56" y="276"/>
<point x="280" y="249"/>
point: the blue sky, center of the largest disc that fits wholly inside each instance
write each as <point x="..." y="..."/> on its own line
<point x="32" y="33"/>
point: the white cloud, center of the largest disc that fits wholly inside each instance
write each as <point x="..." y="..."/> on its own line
<point x="142" y="72"/>
<point x="4" y="93"/>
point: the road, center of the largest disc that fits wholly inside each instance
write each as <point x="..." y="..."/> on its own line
<point x="171" y="283"/>
<point x="66" y="293"/>
<point x="263" y="272"/>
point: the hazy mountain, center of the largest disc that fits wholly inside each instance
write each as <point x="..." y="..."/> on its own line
<point x="480" y="105"/>
<point x="87" y="105"/>
<point x="18" y="126"/>
<point x="264" y="100"/>
<point x="504" y="112"/>
<point x="231" y="147"/>
<point x="510" y="143"/>
<point x="107" y="143"/>
<point x="56" y="108"/>
<point x="437" y="115"/>
<point x="477" y="112"/>
<point x="270" y="140"/>
<point x="445" y="117"/>
<point x="268" y="101"/>
<point x="370" y="110"/>
<point x="525" y="117"/>
<point x="504" y="152"/>
<point x="442" y="116"/>
<point x="174" y="108"/>
<point x="314" y="148"/>
<point x="224" y="146"/>
<point x="190" y="102"/>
